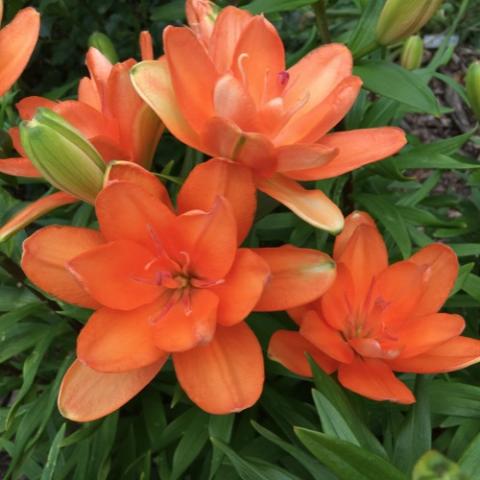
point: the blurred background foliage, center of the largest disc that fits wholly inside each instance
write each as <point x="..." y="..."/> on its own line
<point x="430" y="192"/>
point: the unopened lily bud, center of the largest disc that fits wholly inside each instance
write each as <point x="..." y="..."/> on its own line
<point x="201" y="16"/>
<point x="473" y="87"/>
<point x="63" y="155"/>
<point x="412" y="53"/>
<point x="101" y="42"/>
<point x="401" y="18"/>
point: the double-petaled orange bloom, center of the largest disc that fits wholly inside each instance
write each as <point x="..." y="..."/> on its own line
<point x="377" y="319"/>
<point x="225" y="90"/>
<point x="17" y="41"/>
<point x="164" y="283"/>
<point x="108" y="112"/>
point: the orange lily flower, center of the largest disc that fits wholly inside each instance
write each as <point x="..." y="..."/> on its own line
<point x="229" y="94"/>
<point x="166" y="284"/>
<point x="109" y="113"/>
<point x="17" y="41"/>
<point x="377" y="319"/>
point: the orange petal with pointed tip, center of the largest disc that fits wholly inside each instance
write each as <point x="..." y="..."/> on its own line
<point x="325" y="338"/>
<point x="441" y="266"/>
<point x="146" y="45"/>
<point x="225" y="375"/>
<point x="88" y="93"/>
<point x="109" y="148"/>
<point x="152" y="82"/>
<point x="374" y="379"/>
<point x="352" y="221"/>
<point x="242" y="288"/>
<point x="290" y="349"/>
<point x="131" y="172"/>
<point x="17" y="41"/>
<point x="201" y="18"/>
<point x="14" y="133"/>
<point x="99" y="67"/>
<point x="232" y="101"/>
<point x="33" y="211"/>
<point x="115" y="341"/>
<point x="27" y="107"/>
<point x="337" y="304"/>
<point x="45" y="255"/>
<point x="146" y="132"/>
<point x="191" y="321"/>
<point x="454" y="354"/>
<point x="127" y="211"/>
<point x="19" y="167"/>
<point x="291" y="158"/>
<point x="86" y="395"/>
<point x="258" y="66"/>
<point x="227" y="30"/>
<point x="420" y="334"/>
<point x="309" y="127"/>
<point x="365" y="256"/>
<point x="193" y="74"/>
<point x="317" y="74"/>
<point x="89" y="121"/>
<point x="209" y="238"/>
<point x="221" y="177"/>
<point x="313" y="206"/>
<point x="298" y="276"/>
<point x="116" y="275"/>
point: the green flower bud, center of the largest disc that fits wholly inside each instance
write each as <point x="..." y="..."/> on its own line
<point x="473" y="87"/>
<point x="101" y="42"/>
<point x="63" y="155"/>
<point x="412" y="53"/>
<point x="401" y="18"/>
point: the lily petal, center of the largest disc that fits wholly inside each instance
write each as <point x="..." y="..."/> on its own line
<point x="420" y="334"/>
<point x="313" y="206"/>
<point x="45" y="255"/>
<point x="242" y="288"/>
<point x="27" y="107"/>
<point x="131" y="172"/>
<point x="152" y="82"/>
<point x="127" y="211"/>
<point x="352" y="221"/>
<point x="226" y="375"/>
<point x="86" y="395"/>
<point x="309" y="127"/>
<point x="290" y="349"/>
<point x="325" y="338"/>
<point x="365" y="256"/>
<point x="33" y="211"/>
<point x="454" y="354"/>
<point x="317" y="74"/>
<point x="115" y="274"/>
<point x="258" y="67"/>
<point x="146" y="45"/>
<point x="219" y="177"/>
<point x="17" y="41"/>
<point x="115" y="341"/>
<point x="188" y="323"/>
<point x="374" y="379"/>
<point x="227" y="30"/>
<point x="355" y="148"/>
<point x="193" y="74"/>
<point x="209" y="239"/>
<point x="88" y="93"/>
<point x="292" y="158"/>
<point x="441" y="271"/>
<point x="19" y="167"/>
<point x="100" y="68"/>
<point x="299" y="276"/>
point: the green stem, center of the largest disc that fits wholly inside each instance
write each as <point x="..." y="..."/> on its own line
<point x="322" y="23"/>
